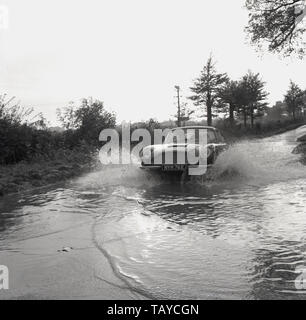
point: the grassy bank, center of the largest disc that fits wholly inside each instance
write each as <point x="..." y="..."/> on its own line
<point x="43" y="171"/>
<point x="33" y="155"/>
<point x="236" y="133"/>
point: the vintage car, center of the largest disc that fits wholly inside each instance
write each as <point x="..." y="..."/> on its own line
<point x="203" y="142"/>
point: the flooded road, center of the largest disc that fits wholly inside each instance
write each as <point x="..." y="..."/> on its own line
<point x="239" y="235"/>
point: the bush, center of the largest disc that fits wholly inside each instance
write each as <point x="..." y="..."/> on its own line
<point x="21" y="140"/>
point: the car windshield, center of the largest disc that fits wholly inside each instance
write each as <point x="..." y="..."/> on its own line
<point x="190" y="136"/>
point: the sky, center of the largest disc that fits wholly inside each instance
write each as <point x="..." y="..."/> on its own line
<point x="129" y="54"/>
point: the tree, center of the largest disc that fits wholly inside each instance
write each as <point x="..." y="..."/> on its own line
<point x="66" y="116"/>
<point x="251" y="96"/>
<point x="294" y="99"/>
<point x="206" y="88"/>
<point x="304" y="102"/>
<point x="186" y="112"/>
<point x="277" y="23"/>
<point x="12" y="112"/>
<point x="89" y="119"/>
<point x="228" y="95"/>
<point x="22" y="133"/>
<point x="39" y="122"/>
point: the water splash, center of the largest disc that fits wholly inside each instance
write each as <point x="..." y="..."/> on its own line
<point x="254" y="162"/>
<point x="259" y="161"/>
<point x="119" y="175"/>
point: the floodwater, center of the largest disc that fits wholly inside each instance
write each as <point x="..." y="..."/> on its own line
<point x="241" y="234"/>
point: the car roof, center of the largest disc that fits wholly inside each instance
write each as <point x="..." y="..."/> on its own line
<point x="195" y="127"/>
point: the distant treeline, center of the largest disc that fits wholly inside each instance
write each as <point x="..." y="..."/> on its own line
<point x="243" y="100"/>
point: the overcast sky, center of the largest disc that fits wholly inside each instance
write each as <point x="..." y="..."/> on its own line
<point x="128" y="53"/>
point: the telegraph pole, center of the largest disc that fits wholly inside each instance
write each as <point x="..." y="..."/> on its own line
<point x="178" y="106"/>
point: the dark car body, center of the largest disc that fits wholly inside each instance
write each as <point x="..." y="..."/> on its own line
<point x="177" y="150"/>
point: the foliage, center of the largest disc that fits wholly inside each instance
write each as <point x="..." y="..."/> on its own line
<point x="19" y="130"/>
<point x="294" y="99"/>
<point x="277" y="23"/>
<point x="88" y="120"/>
<point x="186" y="112"/>
<point x="252" y="96"/>
<point x="245" y="97"/>
<point x="263" y="128"/>
<point x="66" y="116"/>
<point x="25" y="137"/>
<point x="228" y="95"/>
<point x="12" y="112"/>
<point x="206" y="88"/>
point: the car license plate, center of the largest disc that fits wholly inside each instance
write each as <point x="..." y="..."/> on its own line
<point x="174" y="167"/>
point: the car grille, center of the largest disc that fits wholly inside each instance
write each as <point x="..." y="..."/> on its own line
<point x="169" y="157"/>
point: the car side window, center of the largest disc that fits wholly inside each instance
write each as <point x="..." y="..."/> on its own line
<point x="211" y="137"/>
<point x="219" y="136"/>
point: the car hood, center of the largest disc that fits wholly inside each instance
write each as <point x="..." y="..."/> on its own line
<point x="160" y="149"/>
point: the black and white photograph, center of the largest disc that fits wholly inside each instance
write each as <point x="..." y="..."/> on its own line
<point x="152" y="151"/>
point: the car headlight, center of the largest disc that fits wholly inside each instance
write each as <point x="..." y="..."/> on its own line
<point x="146" y="153"/>
<point x="201" y="151"/>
